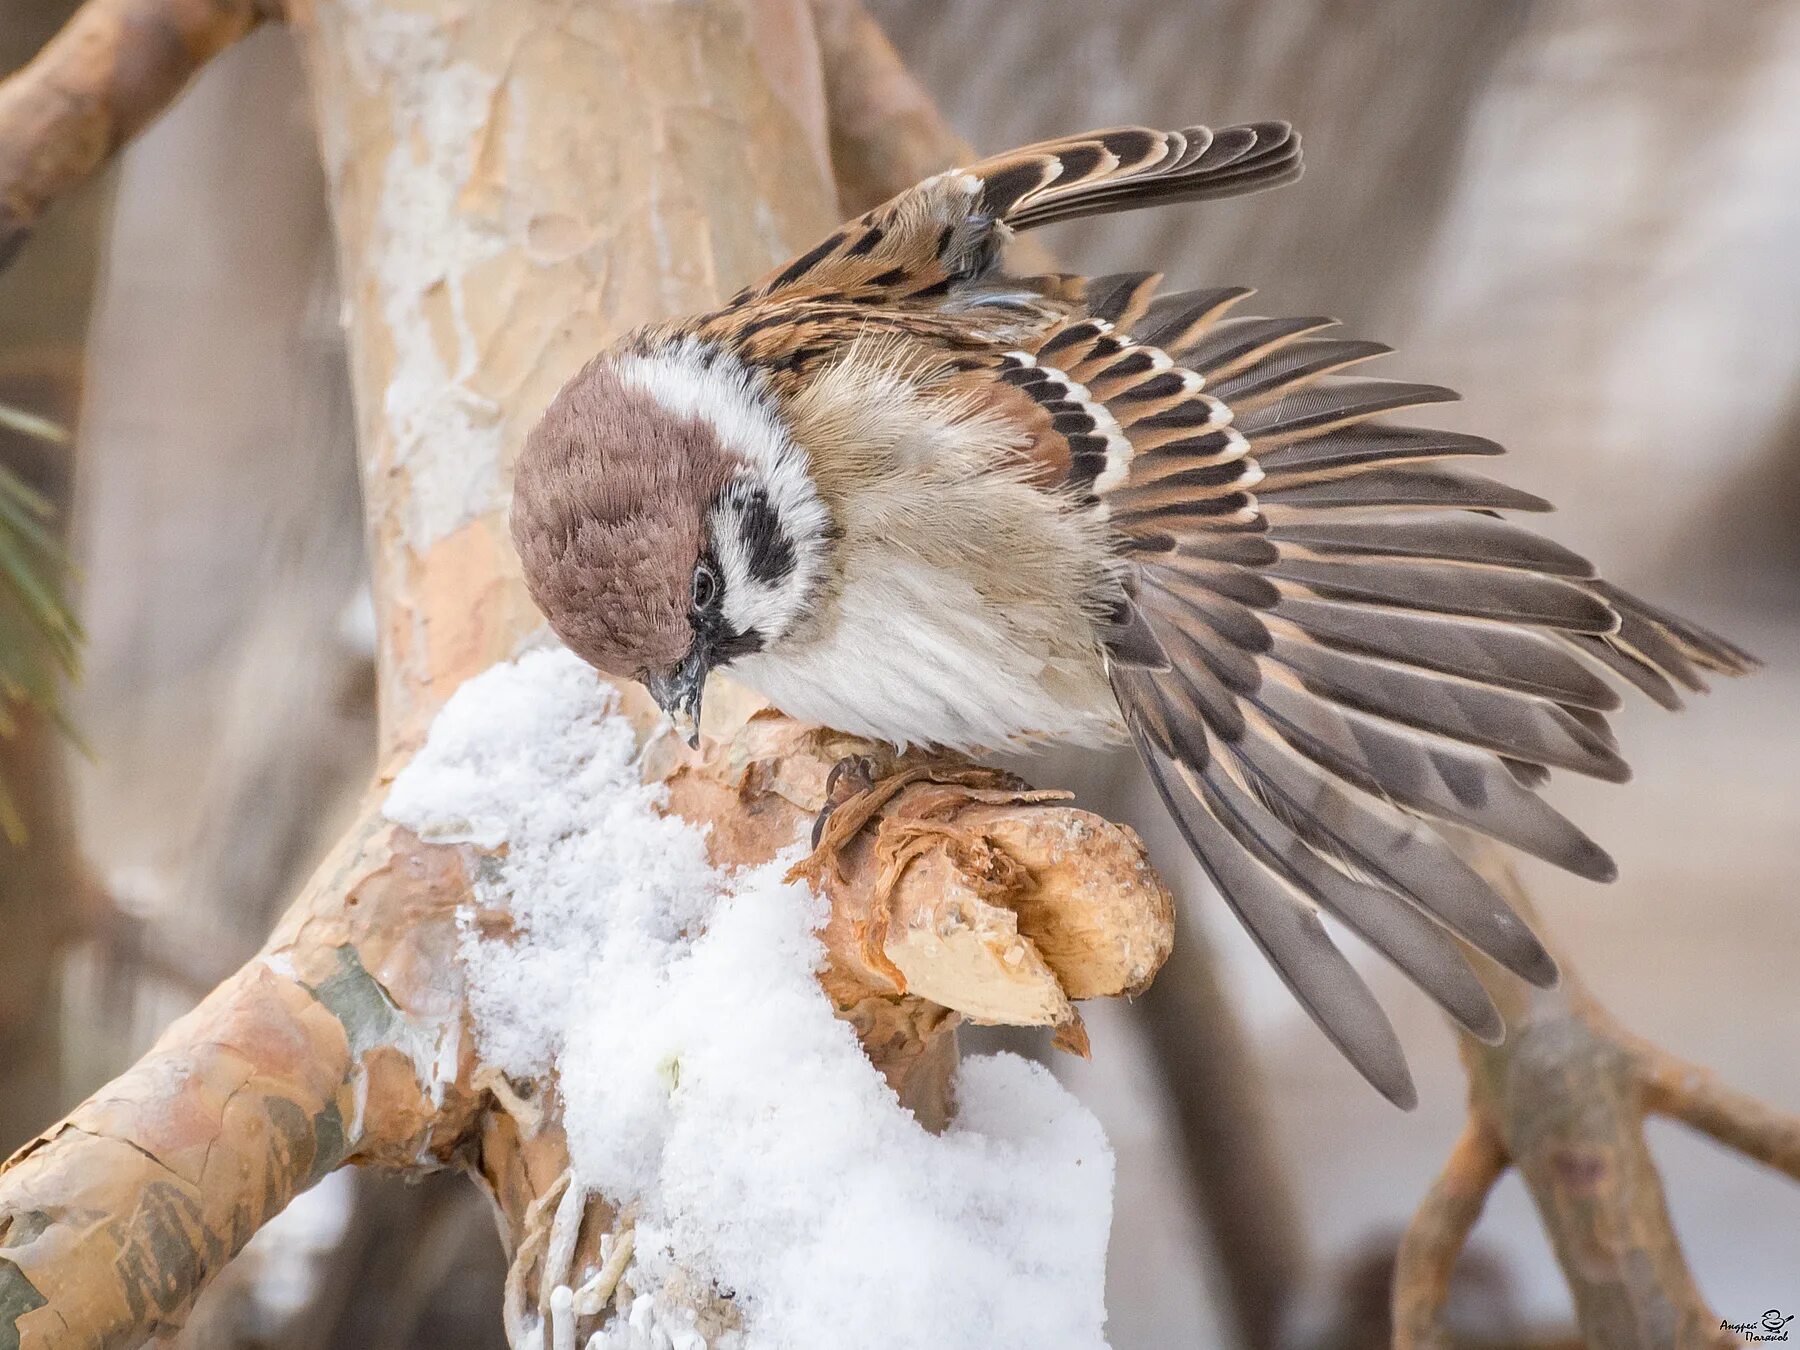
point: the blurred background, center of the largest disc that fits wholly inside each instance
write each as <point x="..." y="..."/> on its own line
<point x="1587" y="218"/>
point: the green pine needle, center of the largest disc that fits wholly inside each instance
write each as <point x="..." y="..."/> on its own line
<point x="30" y="424"/>
<point x="40" y="642"/>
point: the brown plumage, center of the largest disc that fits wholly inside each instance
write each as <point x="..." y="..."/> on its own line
<point x="907" y="494"/>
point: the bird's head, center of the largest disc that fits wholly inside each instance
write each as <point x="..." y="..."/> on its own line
<point x="666" y="522"/>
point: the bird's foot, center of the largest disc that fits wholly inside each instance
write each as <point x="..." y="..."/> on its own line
<point x="860" y="787"/>
<point x="853" y="776"/>
<point x="856" y="789"/>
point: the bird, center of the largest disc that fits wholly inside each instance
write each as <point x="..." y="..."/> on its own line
<point x="902" y="492"/>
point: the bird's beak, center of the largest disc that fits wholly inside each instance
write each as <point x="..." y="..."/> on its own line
<point x="677" y="692"/>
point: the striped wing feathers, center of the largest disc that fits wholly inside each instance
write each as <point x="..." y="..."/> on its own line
<point x="1357" y="648"/>
<point x="949" y="230"/>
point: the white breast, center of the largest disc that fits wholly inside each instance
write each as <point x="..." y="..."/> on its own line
<point x="962" y="600"/>
<point x="963" y="616"/>
<point x="919" y="657"/>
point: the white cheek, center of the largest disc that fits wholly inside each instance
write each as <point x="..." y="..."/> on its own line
<point x="751" y="604"/>
<point x="768" y="608"/>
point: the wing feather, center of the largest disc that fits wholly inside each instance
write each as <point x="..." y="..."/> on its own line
<point x="1358" y="647"/>
<point x="948" y="231"/>
<point x="1502" y="655"/>
<point x="1446" y="781"/>
<point x="1409" y="939"/>
<point x="1290" y="935"/>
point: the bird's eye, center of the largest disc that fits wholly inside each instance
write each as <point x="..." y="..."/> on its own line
<point x="705" y="586"/>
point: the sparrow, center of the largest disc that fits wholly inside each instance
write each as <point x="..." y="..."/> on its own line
<point x="903" y="493"/>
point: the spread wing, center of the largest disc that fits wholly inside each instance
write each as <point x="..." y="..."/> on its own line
<point x="1332" y="638"/>
<point x="1335" y="639"/>
<point x="949" y="230"/>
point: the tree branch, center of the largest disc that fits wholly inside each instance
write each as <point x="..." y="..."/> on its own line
<point x="112" y="69"/>
<point x="1563" y="1099"/>
<point x="1695" y="1096"/>
<point x="1240" y="1182"/>
<point x="1438" y="1233"/>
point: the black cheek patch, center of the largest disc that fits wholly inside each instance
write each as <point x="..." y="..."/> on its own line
<point x="770" y="554"/>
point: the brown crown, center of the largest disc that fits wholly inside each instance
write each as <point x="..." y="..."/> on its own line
<point x="609" y="506"/>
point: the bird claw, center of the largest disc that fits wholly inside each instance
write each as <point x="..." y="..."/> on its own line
<point x="856" y="789"/>
<point x="849" y="777"/>
<point x="860" y="787"/>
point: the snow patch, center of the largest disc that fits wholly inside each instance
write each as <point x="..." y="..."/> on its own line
<point x="705" y="1079"/>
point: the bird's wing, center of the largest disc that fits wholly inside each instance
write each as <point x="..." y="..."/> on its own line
<point x="949" y="229"/>
<point x="1335" y="639"/>
<point x="1330" y="639"/>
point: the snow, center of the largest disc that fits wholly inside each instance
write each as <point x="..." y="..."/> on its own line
<point x="288" y="1260"/>
<point x="705" y="1080"/>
